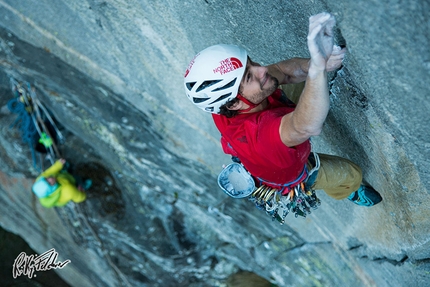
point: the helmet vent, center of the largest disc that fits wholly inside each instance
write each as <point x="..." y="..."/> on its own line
<point x="190" y="85"/>
<point x="231" y="84"/>
<point x="199" y="100"/>
<point x="206" y="84"/>
<point x="222" y="98"/>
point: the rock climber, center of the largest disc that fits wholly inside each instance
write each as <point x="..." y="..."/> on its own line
<point x="56" y="187"/>
<point x="268" y="134"/>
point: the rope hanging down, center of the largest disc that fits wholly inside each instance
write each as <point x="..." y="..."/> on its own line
<point x="32" y="121"/>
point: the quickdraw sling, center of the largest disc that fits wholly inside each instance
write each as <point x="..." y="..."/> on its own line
<point x="296" y="197"/>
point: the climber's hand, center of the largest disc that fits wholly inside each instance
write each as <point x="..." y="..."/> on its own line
<point x="320" y="40"/>
<point x="335" y="60"/>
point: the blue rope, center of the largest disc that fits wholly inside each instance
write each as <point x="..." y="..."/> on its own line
<point x="25" y="125"/>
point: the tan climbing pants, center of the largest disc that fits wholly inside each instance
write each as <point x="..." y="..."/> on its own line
<point x="337" y="176"/>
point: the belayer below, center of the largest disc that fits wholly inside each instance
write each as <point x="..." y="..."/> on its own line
<point x="56" y="186"/>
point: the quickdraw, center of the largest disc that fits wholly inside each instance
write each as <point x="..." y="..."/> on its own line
<point x="300" y="199"/>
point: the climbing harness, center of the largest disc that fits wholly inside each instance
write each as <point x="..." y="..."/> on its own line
<point x="296" y="197"/>
<point x="32" y="121"/>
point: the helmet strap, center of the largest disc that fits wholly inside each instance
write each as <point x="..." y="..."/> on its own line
<point x="251" y="105"/>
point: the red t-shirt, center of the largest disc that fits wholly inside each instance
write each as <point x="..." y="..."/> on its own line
<point x="254" y="138"/>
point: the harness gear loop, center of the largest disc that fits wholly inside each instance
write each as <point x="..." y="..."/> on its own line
<point x="297" y="197"/>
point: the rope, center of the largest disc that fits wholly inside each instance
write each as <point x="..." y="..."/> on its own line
<point x="30" y="121"/>
<point x="60" y="136"/>
<point x="120" y="276"/>
<point x="25" y="125"/>
<point x="37" y="106"/>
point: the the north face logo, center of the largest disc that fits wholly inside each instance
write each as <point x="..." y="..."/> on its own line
<point x="228" y="65"/>
<point x="191" y="65"/>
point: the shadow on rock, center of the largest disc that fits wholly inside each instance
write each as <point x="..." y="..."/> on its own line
<point x="104" y="194"/>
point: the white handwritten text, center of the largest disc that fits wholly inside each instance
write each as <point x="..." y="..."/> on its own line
<point x="26" y="265"/>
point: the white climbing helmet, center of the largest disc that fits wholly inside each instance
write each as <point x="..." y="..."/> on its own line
<point x="213" y="76"/>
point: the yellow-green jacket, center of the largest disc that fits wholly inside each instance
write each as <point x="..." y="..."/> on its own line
<point x="67" y="187"/>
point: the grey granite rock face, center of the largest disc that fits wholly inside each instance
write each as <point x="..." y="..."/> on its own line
<point x="111" y="73"/>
